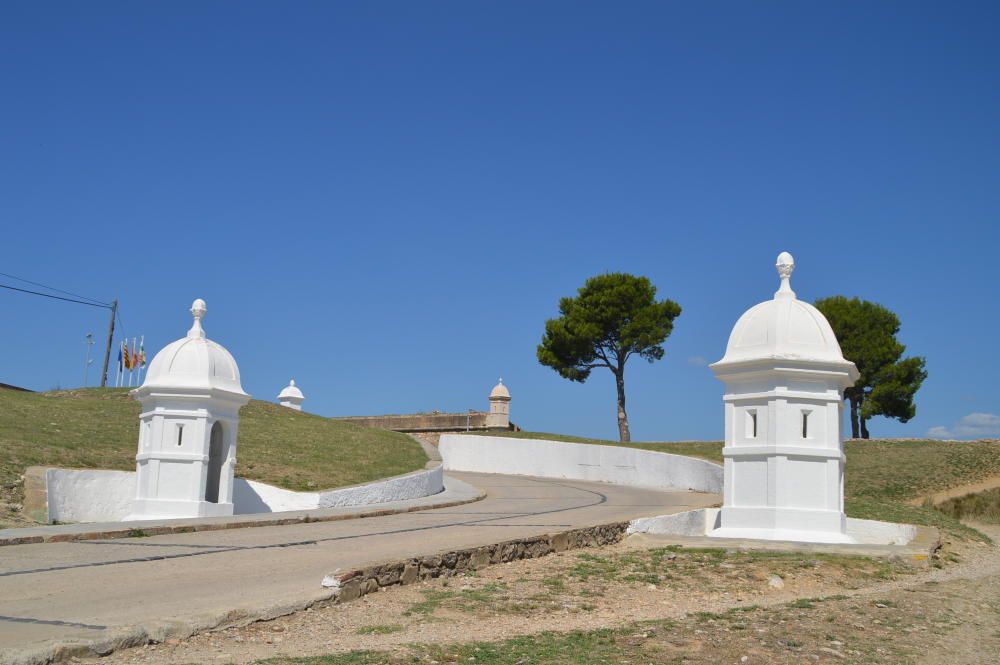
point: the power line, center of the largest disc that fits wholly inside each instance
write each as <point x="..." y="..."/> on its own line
<point x="121" y="323"/>
<point x="52" y="288"/>
<point x="80" y="300"/>
<point x="49" y="295"/>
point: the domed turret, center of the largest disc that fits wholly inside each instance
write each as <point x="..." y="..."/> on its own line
<point x="499" y="415"/>
<point x="784" y="461"/>
<point x="291" y="396"/>
<point x="187" y="429"/>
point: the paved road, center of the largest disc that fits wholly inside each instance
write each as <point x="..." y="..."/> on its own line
<point x="92" y="589"/>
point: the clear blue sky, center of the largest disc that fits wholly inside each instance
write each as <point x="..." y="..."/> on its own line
<point x="386" y="200"/>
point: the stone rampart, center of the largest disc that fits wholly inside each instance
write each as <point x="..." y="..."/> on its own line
<point x="424" y="422"/>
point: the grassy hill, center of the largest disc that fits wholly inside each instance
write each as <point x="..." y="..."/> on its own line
<point x="882" y="477"/>
<point x="99" y="428"/>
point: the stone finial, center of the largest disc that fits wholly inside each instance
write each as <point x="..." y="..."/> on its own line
<point x="785" y="265"/>
<point x="198" y="310"/>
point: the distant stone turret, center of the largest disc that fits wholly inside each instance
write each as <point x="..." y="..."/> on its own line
<point x="291" y="396"/>
<point x="499" y="416"/>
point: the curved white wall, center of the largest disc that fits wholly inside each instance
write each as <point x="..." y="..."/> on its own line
<point x="578" y="461"/>
<point x="250" y="496"/>
<point x="76" y="495"/>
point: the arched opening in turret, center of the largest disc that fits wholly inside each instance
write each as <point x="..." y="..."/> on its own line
<point x="216" y="456"/>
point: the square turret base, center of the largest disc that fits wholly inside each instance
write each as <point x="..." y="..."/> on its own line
<point x="160" y="509"/>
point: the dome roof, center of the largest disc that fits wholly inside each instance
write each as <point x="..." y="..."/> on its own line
<point x="291" y="391"/>
<point x="500" y="391"/>
<point x="783" y="328"/>
<point x="194" y="362"/>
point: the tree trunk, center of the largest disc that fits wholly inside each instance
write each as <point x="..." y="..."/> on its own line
<point x="861" y="418"/>
<point x="623" y="433"/>
<point x="855" y="428"/>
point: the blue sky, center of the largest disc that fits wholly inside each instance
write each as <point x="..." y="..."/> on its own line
<point x="386" y="200"/>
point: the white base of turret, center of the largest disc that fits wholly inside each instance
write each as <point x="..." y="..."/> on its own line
<point x="160" y="509"/>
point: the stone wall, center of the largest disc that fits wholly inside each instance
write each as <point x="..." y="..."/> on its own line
<point x="425" y="422"/>
<point x="356" y="583"/>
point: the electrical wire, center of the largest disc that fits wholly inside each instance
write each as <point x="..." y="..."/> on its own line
<point x="52" y="288"/>
<point x="49" y="295"/>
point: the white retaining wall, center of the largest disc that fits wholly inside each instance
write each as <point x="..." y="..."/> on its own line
<point x="89" y="496"/>
<point x="76" y="495"/>
<point x="250" y="496"/>
<point x="578" y="461"/>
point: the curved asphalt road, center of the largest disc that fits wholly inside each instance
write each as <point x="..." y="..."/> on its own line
<point x="90" y="590"/>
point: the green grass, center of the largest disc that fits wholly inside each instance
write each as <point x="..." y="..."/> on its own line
<point x="462" y="600"/>
<point x="385" y="629"/>
<point x="98" y="428"/>
<point x="881" y="476"/>
<point x="600" y="646"/>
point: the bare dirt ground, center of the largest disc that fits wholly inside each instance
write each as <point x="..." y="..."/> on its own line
<point x="708" y="606"/>
<point x="960" y="490"/>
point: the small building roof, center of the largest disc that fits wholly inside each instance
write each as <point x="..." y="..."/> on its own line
<point x="194" y="362"/>
<point x="500" y="391"/>
<point x="783" y="328"/>
<point x="291" y="391"/>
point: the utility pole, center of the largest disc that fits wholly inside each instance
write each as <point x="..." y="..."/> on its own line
<point x="86" y="366"/>
<point x="111" y="337"/>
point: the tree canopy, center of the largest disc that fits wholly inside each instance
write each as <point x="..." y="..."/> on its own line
<point x="888" y="382"/>
<point x="613" y="317"/>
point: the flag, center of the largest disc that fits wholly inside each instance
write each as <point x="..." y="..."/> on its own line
<point x="120" y="361"/>
<point x="142" y="351"/>
<point x="135" y="355"/>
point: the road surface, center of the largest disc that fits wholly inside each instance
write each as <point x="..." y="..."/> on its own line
<point x="61" y="593"/>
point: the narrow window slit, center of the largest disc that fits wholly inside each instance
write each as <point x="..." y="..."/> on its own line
<point x="180" y="434"/>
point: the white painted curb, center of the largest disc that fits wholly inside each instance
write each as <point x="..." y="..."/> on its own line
<point x="703" y="521"/>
